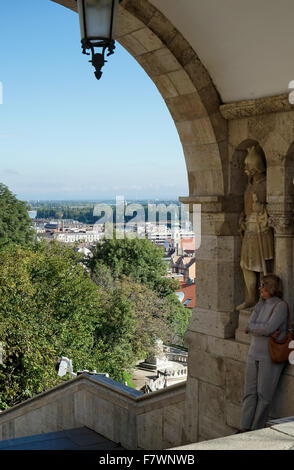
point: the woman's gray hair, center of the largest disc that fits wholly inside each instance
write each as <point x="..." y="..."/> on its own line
<point x="273" y="285"/>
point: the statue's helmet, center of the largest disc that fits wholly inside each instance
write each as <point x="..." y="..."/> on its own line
<point x="254" y="161"/>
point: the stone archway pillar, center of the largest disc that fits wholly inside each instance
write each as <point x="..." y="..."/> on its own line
<point x="214" y="320"/>
<point x="218" y="269"/>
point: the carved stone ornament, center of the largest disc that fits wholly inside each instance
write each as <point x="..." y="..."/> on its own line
<point x="283" y="224"/>
<point x="248" y="108"/>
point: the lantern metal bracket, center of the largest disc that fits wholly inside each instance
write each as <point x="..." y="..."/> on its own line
<point x="98" y="58"/>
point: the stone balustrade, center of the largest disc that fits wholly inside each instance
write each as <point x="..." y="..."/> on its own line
<point x="172" y="372"/>
<point x="176" y="357"/>
<point x="117" y="412"/>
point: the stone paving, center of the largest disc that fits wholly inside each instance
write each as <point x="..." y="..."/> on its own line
<point x="277" y="437"/>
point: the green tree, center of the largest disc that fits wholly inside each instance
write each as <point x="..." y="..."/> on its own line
<point x="136" y="258"/>
<point x="15" y="223"/>
<point x="142" y="261"/>
<point x="134" y="316"/>
<point x="49" y="307"/>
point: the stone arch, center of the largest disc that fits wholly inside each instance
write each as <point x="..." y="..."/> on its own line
<point x="185" y="86"/>
<point x="275" y="133"/>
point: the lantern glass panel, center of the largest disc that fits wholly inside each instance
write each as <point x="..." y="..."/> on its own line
<point x="96" y="17"/>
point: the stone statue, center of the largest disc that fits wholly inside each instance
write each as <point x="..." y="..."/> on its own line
<point x="257" y="237"/>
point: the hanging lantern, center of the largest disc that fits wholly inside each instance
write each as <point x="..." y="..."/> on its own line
<point x="97" y="21"/>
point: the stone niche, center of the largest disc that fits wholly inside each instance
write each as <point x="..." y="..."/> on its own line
<point x="217" y="344"/>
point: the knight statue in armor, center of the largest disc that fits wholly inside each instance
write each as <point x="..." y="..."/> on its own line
<point x="257" y="250"/>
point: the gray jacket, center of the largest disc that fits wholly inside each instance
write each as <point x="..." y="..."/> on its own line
<point x="261" y="326"/>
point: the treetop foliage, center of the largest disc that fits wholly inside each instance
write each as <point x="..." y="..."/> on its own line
<point x="136" y="258"/>
<point x="142" y="261"/>
<point x="15" y="223"/>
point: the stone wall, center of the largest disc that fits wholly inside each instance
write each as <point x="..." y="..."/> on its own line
<point x="218" y="347"/>
<point x="274" y="132"/>
<point x="216" y="374"/>
<point x="137" y="421"/>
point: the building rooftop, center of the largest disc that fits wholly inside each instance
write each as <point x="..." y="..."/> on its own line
<point x="189" y="291"/>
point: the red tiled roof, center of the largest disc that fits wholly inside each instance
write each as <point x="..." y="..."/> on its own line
<point x="189" y="292"/>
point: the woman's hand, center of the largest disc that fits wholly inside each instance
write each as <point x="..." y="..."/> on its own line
<point x="276" y="334"/>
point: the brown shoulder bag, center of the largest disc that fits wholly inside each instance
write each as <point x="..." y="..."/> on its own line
<point x="279" y="349"/>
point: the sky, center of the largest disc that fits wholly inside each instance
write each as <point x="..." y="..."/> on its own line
<point x="65" y="135"/>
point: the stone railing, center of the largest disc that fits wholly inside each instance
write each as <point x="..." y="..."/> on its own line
<point x="117" y="412"/>
<point x="167" y="377"/>
<point x="171" y="356"/>
<point x="180" y="371"/>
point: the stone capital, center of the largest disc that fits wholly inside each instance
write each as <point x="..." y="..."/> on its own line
<point x="282" y="223"/>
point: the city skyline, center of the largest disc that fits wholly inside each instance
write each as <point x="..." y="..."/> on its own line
<point x="66" y="136"/>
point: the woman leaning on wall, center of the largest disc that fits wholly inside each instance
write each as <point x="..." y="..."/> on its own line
<point x="269" y="318"/>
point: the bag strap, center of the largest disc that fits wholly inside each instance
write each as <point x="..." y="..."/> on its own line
<point x="289" y="317"/>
